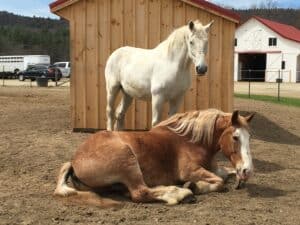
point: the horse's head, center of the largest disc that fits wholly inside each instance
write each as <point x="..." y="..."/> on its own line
<point x="234" y="143"/>
<point x="197" y="42"/>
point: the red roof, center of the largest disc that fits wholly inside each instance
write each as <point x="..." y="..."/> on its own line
<point x="286" y="31"/>
<point x="201" y="3"/>
<point x="57" y="3"/>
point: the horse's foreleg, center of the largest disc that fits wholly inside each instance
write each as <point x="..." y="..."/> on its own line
<point x="205" y="181"/>
<point x="223" y="172"/>
<point x="121" y="110"/>
<point x="111" y="97"/>
<point x="174" y="105"/>
<point x="157" y="107"/>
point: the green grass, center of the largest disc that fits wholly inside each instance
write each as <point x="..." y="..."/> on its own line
<point x="283" y="100"/>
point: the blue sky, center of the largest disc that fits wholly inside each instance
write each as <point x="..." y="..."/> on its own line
<point x="28" y="7"/>
<point x="41" y="8"/>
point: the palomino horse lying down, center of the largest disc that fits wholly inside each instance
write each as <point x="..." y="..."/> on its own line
<point x="178" y="150"/>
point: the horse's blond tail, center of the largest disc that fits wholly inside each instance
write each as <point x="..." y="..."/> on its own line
<point x="79" y="197"/>
<point x="62" y="188"/>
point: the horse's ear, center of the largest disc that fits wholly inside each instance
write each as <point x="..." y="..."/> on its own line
<point x="206" y="27"/>
<point x="235" y="118"/>
<point x="191" y="25"/>
<point x="249" y="117"/>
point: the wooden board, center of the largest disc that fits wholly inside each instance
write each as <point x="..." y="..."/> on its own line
<point x="227" y="65"/>
<point x="129" y="40"/>
<point x="79" y="64"/>
<point x="215" y="63"/>
<point x="178" y="21"/>
<point x="166" y="28"/>
<point x="203" y="86"/>
<point x="104" y="51"/>
<point x="190" y="98"/>
<point x="153" y="40"/>
<point x="141" y="41"/>
<point x="91" y="65"/>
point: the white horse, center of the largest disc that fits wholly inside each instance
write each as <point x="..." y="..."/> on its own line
<point x="161" y="73"/>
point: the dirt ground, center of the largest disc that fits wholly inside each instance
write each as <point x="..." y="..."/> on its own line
<point x="36" y="139"/>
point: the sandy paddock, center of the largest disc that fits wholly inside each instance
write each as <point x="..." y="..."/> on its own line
<point x="36" y="139"/>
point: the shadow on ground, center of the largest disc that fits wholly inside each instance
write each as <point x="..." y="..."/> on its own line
<point x="262" y="166"/>
<point x="266" y="130"/>
<point x="262" y="191"/>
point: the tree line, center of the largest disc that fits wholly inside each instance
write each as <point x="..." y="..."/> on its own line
<point x="20" y="35"/>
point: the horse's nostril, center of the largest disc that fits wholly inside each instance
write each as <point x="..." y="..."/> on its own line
<point x="245" y="171"/>
<point x="201" y="69"/>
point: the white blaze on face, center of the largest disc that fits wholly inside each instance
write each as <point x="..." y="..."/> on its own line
<point x="244" y="138"/>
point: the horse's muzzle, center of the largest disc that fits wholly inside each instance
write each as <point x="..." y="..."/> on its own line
<point x="243" y="174"/>
<point x="201" y="70"/>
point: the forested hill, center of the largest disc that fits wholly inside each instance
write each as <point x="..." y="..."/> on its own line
<point x="26" y="35"/>
<point x="20" y="35"/>
<point x="286" y="16"/>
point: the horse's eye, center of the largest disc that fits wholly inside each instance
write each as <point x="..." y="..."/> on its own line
<point x="235" y="138"/>
<point x="191" y="42"/>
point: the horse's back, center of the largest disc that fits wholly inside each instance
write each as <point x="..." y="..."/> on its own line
<point x="132" y="69"/>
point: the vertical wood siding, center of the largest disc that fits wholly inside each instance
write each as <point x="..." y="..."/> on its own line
<point x="98" y="27"/>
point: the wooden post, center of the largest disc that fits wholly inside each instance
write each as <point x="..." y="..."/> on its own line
<point x="3" y="76"/>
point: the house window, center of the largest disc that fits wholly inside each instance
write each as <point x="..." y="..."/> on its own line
<point x="283" y="65"/>
<point x="235" y="42"/>
<point x="272" y="41"/>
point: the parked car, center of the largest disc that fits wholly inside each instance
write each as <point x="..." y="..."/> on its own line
<point x="32" y="72"/>
<point x="65" y="68"/>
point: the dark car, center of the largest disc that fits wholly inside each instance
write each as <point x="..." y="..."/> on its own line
<point x="33" y="72"/>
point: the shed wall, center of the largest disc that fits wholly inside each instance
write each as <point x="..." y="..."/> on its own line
<point x="98" y="27"/>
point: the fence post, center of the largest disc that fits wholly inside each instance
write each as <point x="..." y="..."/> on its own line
<point x="278" y="90"/>
<point x="249" y="84"/>
<point x="3" y="76"/>
<point x="55" y="77"/>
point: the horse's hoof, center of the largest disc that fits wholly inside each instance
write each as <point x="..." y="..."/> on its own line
<point x="191" y="185"/>
<point x="190" y="199"/>
<point x="239" y="184"/>
<point x="224" y="190"/>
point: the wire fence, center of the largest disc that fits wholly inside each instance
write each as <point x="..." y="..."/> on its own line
<point x="8" y="82"/>
<point x="266" y="82"/>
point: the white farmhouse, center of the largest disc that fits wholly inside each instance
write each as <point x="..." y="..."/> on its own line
<point x="266" y="50"/>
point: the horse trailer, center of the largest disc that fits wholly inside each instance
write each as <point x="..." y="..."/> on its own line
<point x="11" y="65"/>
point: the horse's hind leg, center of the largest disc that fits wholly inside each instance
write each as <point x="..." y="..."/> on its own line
<point x="157" y="107"/>
<point x="174" y="105"/>
<point x="140" y="192"/>
<point x="121" y="110"/>
<point x="112" y="92"/>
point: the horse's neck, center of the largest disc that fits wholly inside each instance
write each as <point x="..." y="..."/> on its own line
<point x="175" y="48"/>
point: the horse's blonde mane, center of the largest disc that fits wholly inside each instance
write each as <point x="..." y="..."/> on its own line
<point x="199" y="125"/>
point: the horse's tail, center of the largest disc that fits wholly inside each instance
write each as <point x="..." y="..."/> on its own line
<point x="76" y="196"/>
<point x="62" y="188"/>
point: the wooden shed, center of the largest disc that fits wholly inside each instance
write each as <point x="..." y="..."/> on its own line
<point x="98" y="27"/>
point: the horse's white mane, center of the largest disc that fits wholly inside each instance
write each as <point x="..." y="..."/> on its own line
<point x="199" y="124"/>
<point x="177" y="39"/>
